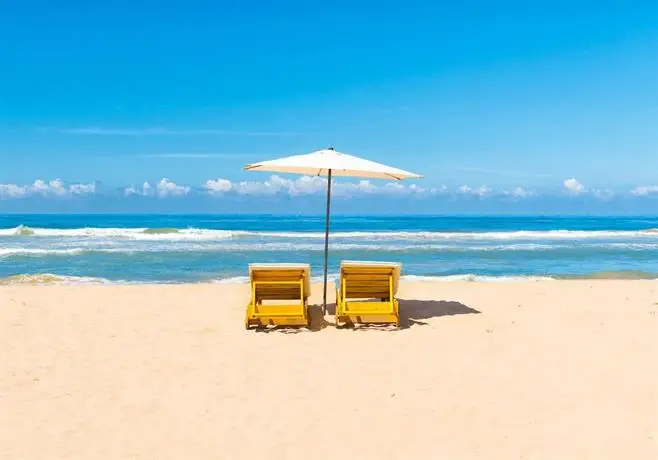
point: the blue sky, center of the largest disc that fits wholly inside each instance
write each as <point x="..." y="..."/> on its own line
<point x="502" y="106"/>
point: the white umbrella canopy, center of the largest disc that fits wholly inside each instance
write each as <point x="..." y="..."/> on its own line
<point x="330" y="162"/>
<point x="320" y="162"/>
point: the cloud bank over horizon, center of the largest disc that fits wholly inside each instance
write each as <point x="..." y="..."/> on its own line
<point x="51" y="188"/>
<point x="306" y="195"/>
<point x="305" y="185"/>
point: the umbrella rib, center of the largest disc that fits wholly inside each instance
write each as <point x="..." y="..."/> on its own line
<point x="394" y="177"/>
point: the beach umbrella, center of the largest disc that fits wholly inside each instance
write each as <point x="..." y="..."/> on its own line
<point x="329" y="163"/>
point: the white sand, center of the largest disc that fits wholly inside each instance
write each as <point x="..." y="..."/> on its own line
<point x="533" y="370"/>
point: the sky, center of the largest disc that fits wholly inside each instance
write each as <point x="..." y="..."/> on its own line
<point x="503" y="107"/>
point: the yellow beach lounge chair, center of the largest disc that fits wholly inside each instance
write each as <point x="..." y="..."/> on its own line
<point x="279" y="295"/>
<point x="366" y="293"/>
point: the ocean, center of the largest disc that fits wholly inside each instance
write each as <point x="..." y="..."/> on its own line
<point x="36" y="249"/>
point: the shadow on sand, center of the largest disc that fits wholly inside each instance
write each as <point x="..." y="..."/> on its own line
<point x="413" y="312"/>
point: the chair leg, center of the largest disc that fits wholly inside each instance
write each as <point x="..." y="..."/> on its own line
<point x="337" y="309"/>
<point x="307" y="317"/>
<point x="246" y="317"/>
<point x="396" y="309"/>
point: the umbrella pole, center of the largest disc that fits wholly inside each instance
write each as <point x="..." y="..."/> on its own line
<point x="326" y="243"/>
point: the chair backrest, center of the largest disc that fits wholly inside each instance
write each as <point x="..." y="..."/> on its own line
<point x="280" y="281"/>
<point x="364" y="280"/>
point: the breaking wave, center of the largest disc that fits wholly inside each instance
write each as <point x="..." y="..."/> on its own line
<point x="213" y="234"/>
<point x="511" y="235"/>
<point x="123" y="233"/>
<point x="7" y="252"/>
<point x="478" y="278"/>
<point x="77" y="248"/>
<point x="470" y="277"/>
<point x="415" y="278"/>
<point x="40" y="279"/>
<point x="22" y="230"/>
<point x="160" y="231"/>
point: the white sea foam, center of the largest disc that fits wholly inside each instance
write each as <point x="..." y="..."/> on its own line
<point x="144" y="234"/>
<point x="245" y="279"/>
<point x="50" y="278"/>
<point x="514" y="235"/>
<point x="6" y="252"/>
<point x="167" y="234"/>
<point x="477" y="278"/>
<point x="232" y="280"/>
<point x="77" y="248"/>
<point x="415" y="278"/>
<point x="627" y="246"/>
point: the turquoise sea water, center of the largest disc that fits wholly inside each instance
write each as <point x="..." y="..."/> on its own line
<point x="207" y="248"/>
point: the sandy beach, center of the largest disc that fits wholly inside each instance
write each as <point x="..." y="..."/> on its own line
<point x="528" y="370"/>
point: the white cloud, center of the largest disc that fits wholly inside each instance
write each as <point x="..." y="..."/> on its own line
<point x="82" y="189"/>
<point x="55" y="187"/>
<point x="398" y="188"/>
<point x="602" y="194"/>
<point x="253" y="188"/>
<point x="366" y="186"/>
<point x="269" y="187"/>
<point x="218" y="185"/>
<point x="519" y="192"/>
<point x="166" y="188"/>
<point x="163" y="189"/>
<point x="305" y="185"/>
<point x="483" y="190"/>
<point x="644" y="190"/>
<point x="12" y="191"/>
<point x="310" y="185"/>
<point x="573" y="186"/>
<point x="348" y="189"/>
<point x="130" y="190"/>
<point x="145" y="190"/>
<point x="394" y="187"/>
<point x="438" y="190"/>
<point x="39" y="186"/>
<point x="479" y="191"/>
